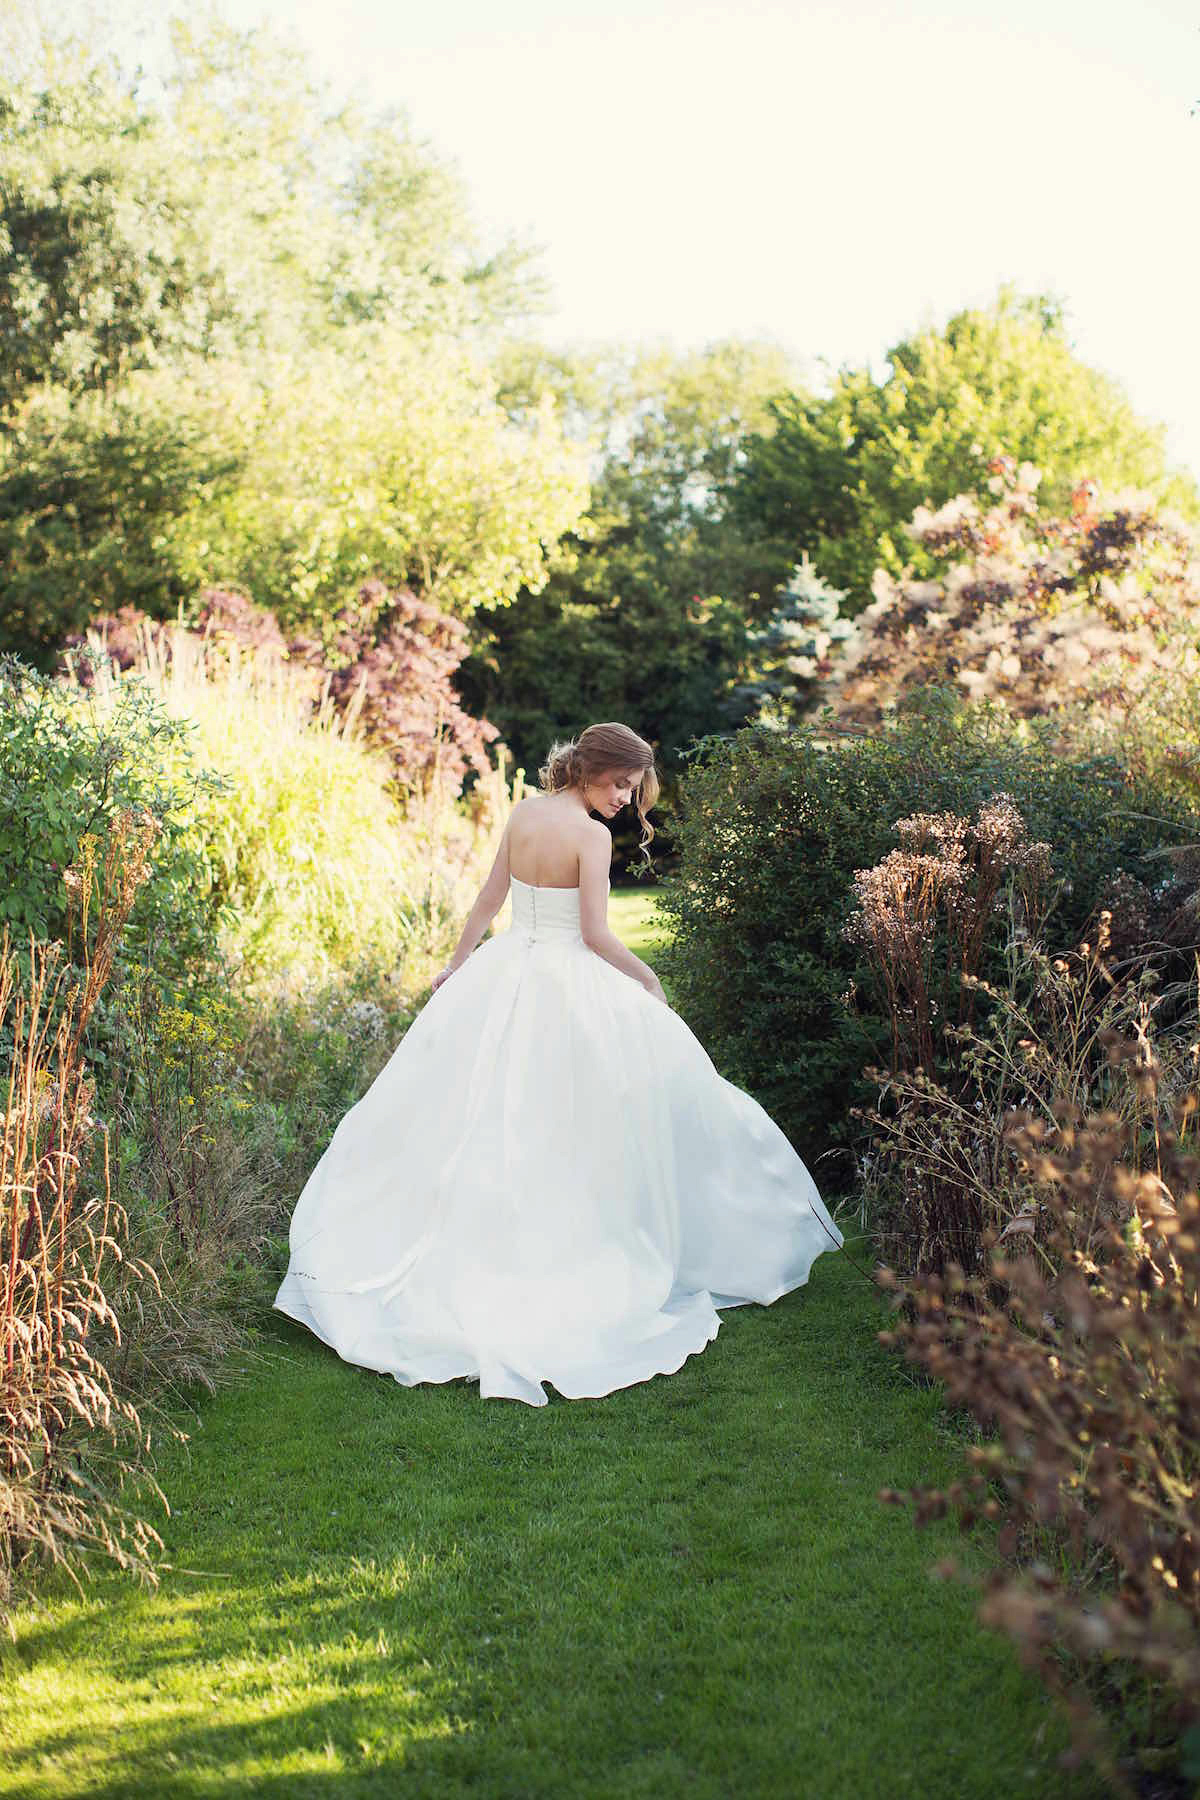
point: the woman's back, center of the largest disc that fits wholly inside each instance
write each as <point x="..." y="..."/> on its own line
<point x="545" y="833"/>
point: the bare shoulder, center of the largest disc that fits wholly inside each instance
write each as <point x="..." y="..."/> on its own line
<point x="596" y="834"/>
<point x="594" y="844"/>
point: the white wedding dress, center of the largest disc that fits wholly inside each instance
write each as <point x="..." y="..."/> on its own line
<point x="549" y="1181"/>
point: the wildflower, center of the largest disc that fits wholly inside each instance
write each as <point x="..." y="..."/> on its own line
<point x="367" y="1019"/>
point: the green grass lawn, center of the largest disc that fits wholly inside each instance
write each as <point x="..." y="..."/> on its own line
<point x="633" y="915"/>
<point x="686" y="1589"/>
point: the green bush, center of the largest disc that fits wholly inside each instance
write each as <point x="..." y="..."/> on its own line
<point x="68" y="765"/>
<point x="772" y="826"/>
<point x="310" y="856"/>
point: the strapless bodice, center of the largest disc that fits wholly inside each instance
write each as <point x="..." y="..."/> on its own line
<point x="542" y="912"/>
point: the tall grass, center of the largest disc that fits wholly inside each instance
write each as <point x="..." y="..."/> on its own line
<point x="316" y="861"/>
<point x="62" y="1423"/>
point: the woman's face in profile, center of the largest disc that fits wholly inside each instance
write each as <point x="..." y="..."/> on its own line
<point x="612" y="789"/>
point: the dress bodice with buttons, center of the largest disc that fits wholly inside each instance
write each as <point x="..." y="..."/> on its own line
<point x="544" y="912"/>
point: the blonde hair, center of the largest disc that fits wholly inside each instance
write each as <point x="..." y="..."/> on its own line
<point x="574" y="761"/>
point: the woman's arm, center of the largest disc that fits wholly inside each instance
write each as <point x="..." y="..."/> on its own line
<point x="595" y="855"/>
<point x="490" y="899"/>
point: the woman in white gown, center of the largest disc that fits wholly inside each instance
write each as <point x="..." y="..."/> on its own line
<point x="549" y="1180"/>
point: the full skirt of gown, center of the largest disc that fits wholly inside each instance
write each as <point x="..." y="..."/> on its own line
<point x="548" y="1181"/>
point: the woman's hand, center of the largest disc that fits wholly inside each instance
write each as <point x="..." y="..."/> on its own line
<point x="654" y="986"/>
<point x="442" y="975"/>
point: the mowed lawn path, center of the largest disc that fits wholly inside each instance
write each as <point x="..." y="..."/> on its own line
<point x="686" y="1589"/>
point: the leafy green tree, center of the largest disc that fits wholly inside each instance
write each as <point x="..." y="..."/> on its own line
<point x="240" y="210"/>
<point x="840" y="474"/>
<point x="94" y="492"/>
<point x="667" y="433"/>
<point x="645" y="613"/>
<point x="246" y="340"/>
<point x="381" y="456"/>
<point x="294" y="479"/>
<point x="612" y="639"/>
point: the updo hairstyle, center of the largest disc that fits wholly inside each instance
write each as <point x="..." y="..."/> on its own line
<point x="598" y="748"/>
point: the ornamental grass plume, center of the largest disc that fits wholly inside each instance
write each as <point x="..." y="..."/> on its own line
<point x="68" y="1442"/>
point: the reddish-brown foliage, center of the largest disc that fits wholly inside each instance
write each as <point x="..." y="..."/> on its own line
<point x="1034" y="610"/>
<point x="386" y="658"/>
<point x="1083" y="1371"/>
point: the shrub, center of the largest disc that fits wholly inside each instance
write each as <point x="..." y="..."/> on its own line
<point x="1034" y="610"/>
<point x="194" y="1152"/>
<point x="309" y="861"/>
<point x="310" y="1055"/>
<point x="1082" y="1369"/>
<point x="926" y="912"/>
<point x="392" y="659"/>
<point x="772" y="827"/>
<point x="385" y="659"/>
<point x="1156" y="730"/>
<point x="938" y="1173"/>
<point x="69" y="767"/>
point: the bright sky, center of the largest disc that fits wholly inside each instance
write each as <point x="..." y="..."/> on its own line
<point x="826" y="173"/>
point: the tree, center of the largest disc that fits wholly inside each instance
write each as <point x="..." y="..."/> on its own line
<point x="93" y="490"/>
<point x="644" y="616"/>
<point x="840" y="474"/>
<point x="612" y="639"/>
<point x="237" y="211"/>
<point x="789" y="656"/>
<point x="246" y="341"/>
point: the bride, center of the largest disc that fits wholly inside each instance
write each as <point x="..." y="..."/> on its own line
<point x="549" y="1180"/>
